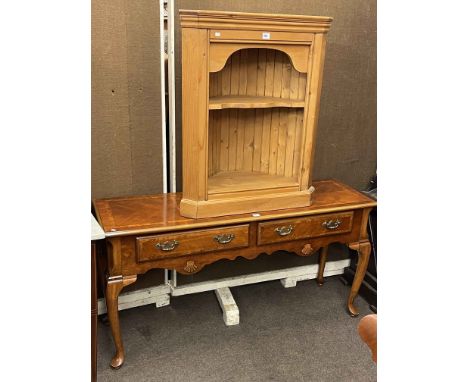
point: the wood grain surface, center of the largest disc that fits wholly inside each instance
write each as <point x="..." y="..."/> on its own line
<point x="182" y="244"/>
<point x="160" y="213"/>
<point x="277" y="133"/>
<point x="283" y="75"/>
<point x="303" y="228"/>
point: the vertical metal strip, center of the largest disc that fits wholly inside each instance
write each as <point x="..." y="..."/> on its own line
<point x="171" y="86"/>
<point x="163" y="93"/>
<point x="174" y="278"/>
<point x="166" y="276"/>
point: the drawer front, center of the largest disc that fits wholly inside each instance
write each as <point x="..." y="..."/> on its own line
<point x="187" y="243"/>
<point x="303" y="228"/>
<point x="262" y="35"/>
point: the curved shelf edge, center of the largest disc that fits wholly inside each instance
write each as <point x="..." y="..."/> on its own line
<point x="220" y="53"/>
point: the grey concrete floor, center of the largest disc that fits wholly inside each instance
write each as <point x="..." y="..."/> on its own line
<point x="295" y="334"/>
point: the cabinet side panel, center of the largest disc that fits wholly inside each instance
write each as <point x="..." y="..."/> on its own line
<point x="312" y="107"/>
<point x="298" y="142"/>
<point x="299" y="126"/>
<point x="291" y="130"/>
<point x="194" y="112"/>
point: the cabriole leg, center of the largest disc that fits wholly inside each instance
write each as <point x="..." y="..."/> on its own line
<point x="322" y="262"/>
<point x="114" y="286"/>
<point x="364" y="249"/>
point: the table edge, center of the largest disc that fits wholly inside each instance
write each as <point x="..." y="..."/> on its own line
<point x="240" y="220"/>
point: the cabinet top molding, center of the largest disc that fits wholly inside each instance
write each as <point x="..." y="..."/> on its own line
<point x="254" y="21"/>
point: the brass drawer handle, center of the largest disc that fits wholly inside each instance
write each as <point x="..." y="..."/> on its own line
<point x="284" y="230"/>
<point x="331" y="224"/>
<point x="224" y="239"/>
<point x="167" y="245"/>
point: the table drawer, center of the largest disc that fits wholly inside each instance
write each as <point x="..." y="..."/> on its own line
<point x="191" y="242"/>
<point x="305" y="227"/>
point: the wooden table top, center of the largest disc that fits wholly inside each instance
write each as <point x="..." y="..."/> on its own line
<point x="160" y="213"/>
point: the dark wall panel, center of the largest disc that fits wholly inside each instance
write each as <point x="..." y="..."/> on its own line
<point x="346" y="137"/>
<point x="126" y="98"/>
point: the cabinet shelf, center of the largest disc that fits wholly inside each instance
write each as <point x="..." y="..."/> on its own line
<point x="238" y="181"/>
<point x="250" y="102"/>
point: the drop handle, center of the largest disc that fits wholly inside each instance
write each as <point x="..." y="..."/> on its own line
<point x="224" y="239"/>
<point x="331" y="224"/>
<point x="167" y="245"/>
<point x="284" y="230"/>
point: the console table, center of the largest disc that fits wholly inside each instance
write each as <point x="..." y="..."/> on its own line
<point x="146" y="232"/>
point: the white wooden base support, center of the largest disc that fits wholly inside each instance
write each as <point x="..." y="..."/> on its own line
<point x="305" y="272"/>
<point x="228" y="305"/>
<point x="159" y="295"/>
<point x="331" y="269"/>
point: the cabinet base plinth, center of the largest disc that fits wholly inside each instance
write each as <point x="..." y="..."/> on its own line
<point x="243" y="205"/>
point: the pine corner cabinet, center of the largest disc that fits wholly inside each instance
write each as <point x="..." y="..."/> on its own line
<point x="250" y="101"/>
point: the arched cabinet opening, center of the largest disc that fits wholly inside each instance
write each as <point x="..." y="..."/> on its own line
<point x="255" y="127"/>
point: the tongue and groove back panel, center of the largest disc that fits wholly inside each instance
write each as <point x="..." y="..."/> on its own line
<point x="264" y="140"/>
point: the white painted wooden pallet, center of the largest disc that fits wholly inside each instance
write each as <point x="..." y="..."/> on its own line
<point x="289" y="275"/>
<point x="160" y="295"/>
<point x="228" y="305"/>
